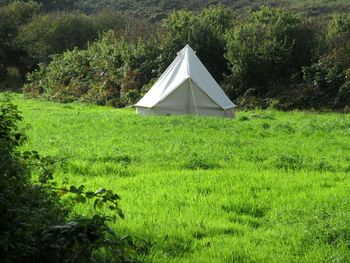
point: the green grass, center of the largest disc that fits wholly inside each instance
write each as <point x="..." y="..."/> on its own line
<point x="267" y="186"/>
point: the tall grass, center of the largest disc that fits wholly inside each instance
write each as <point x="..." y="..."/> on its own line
<point x="267" y="186"/>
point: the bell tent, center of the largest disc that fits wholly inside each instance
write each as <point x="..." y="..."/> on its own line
<point x="186" y="87"/>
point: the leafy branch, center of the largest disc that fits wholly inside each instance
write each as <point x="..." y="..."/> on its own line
<point x="102" y="197"/>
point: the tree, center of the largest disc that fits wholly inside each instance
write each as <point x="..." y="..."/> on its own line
<point x="62" y="31"/>
<point x="203" y="32"/>
<point x="12" y="17"/>
<point x="338" y="36"/>
<point x="264" y="48"/>
<point x="329" y="76"/>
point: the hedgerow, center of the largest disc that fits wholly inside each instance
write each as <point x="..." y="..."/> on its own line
<point x="109" y="71"/>
<point x="269" y="58"/>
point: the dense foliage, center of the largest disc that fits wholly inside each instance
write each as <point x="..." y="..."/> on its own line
<point x="12" y="18"/>
<point x="267" y="58"/>
<point x="204" y="32"/>
<point x="155" y="10"/>
<point x="62" y="31"/>
<point x="29" y="36"/>
<point x="328" y="79"/>
<point x="100" y="74"/>
<point x="266" y="48"/>
<point x="34" y="222"/>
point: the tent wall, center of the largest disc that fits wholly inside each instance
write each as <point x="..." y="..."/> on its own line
<point x="176" y="101"/>
<point x="230" y="113"/>
<point x="200" y="101"/>
<point x="187" y="99"/>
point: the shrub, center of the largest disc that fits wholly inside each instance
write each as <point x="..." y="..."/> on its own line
<point x="203" y="32"/>
<point x="62" y="31"/>
<point x="126" y="25"/>
<point x="329" y="75"/>
<point x="20" y="203"/>
<point x="265" y="48"/>
<point x="12" y="17"/>
<point x="343" y="95"/>
<point x="34" y="222"/>
<point x="105" y="71"/>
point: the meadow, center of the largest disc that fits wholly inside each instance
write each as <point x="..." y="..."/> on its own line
<point x="268" y="186"/>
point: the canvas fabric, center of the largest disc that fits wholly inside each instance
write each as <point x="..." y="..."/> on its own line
<point x="186" y="87"/>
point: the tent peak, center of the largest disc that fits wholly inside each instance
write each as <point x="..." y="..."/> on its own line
<point x="186" y="86"/>
<point x="187" y="48"/>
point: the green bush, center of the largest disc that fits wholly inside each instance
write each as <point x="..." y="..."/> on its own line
<point x="268" y="46"/>
<point x="61" y="31"/>
<point x="128" y="26"/>
<point x="29" y="35"/>
<point x="106" y="70"/>
<point x="21" y="204"/>
<point x="264" y="56"/>
<point x="34" y="222"/>
<point x="204" y="32"/>
<point x="12" y="17"/>
<point x="329" y="75"/>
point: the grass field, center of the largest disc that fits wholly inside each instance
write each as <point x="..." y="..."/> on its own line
<point x="267" y="186"/>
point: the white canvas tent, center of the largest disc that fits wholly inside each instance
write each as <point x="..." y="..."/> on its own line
<point x="186" y="87"/>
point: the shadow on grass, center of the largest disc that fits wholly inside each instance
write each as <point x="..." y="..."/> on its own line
<point x="199" y="163"/>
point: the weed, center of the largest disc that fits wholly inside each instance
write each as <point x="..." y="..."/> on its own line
<point x="289" y="162"/>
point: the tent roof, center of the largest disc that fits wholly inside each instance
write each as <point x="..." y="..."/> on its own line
<point x="185" y="66"/>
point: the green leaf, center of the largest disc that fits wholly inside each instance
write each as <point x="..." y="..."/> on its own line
<point x="100" y="205"/>
<point x="96" y="203"/>
<point x="121" y="214"/>
<point x="73" y="189"/>
<point x="89" y="194"/>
